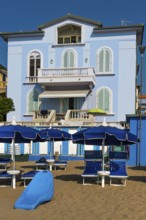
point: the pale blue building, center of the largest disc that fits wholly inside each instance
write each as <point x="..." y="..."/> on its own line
<point x="70" y="65"/>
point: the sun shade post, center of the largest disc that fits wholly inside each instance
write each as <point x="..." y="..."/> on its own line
<point x="13" y="152"/>
<point x="103" y="143"/>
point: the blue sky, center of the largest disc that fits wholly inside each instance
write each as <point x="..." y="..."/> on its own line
<point x="27" y="15"/>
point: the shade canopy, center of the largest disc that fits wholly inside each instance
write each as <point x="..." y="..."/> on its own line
<point x="110" y="136"/>
<point x="20" y="134"/>
<point x="64" y="94"/>
<point x="96" y="111"/>
<point x="52" y="134"/>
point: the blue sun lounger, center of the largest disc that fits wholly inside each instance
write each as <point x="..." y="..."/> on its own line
<point x="5" y="177"/>
<point x="91" y="169"/>
<point x="41" y="163"/>
<point x="39" y="190"/>
<point x="4" y="162"/>
<point x="28" y="176"/>
<point x="60" y="163"/>
<point x="118" y="171"/>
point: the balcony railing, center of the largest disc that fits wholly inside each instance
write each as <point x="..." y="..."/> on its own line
<point x="3" y="85"/>
<point x="69" y="74"/>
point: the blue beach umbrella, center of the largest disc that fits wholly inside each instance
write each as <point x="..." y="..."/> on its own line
<point x="104" y="136"/>
<point x="55" y="134"/>
<point x="19" y="134"/>
<point x="52" y="134"/>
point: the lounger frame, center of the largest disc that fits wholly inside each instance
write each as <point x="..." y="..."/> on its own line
<point x="91" y="170"/>
<point x="118" y="171"/>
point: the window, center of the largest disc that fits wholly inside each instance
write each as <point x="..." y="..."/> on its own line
<point x="103" y="100"/>
<point x="69" y="34"/>
<point x="32" y="101"/>
<point x="69" y="59"/>
<point x="104" y="60"/>
<point x="34" y="64"/>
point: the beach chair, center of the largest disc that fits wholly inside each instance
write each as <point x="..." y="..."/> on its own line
<point x="118" y="172"/>
<point x="118" y="155"/>
<point x="91" y="169"/>
<point x="60" y="163"/>
<point x="41" y="164"/>
<point x="6" y="179"/>
<point x="3" y="163"/>
<point x="39" y="191"/>
<point x="93" y="155"/>
<point x="28" y="176"/>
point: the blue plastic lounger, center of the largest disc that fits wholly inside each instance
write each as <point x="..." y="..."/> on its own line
<point x="41" y="163"/>
<point x="39" y="190"/>
<point x="91" y="169"/>
<point x="4" y="162"/>
<point x="93" y="155"/>
<point x="60" y="163"/>
<point x="28" y="176"/>
<point x="118" y="171"/>
<point x="118" y="155"/>
<point x="5" y="177"/>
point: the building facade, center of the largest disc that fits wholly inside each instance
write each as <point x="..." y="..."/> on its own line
<point x="70" y="65"/>
<point x="3" y="81"/>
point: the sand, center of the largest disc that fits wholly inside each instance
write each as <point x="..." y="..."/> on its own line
<point x="73" y="201"/>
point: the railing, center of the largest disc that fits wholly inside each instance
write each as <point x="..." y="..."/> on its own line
<point x="44" y="116"/>
<point x="78" y="115"/>
<point x="44" y="74"/>
<point x="3" y="85"/>
<point x="64" y="71"/>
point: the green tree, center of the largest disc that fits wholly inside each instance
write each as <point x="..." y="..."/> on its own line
<point x="6" y="105"/>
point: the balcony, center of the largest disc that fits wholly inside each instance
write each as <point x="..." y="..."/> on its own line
<point x="3" y="87"/>
<point x="72" y="117"/>
<point x="62" y="76"/>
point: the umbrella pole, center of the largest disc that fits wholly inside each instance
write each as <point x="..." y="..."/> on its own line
<point x="13" y="147"/>
<point x="103" y="143"/>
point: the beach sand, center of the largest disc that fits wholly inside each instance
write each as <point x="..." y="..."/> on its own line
<point x="73" y="201"/>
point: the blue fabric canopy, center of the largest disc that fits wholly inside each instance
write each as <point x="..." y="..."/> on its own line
<point x="110" y="136"/>
<point x="52" y="134"/>
<point x="20" y="134"/>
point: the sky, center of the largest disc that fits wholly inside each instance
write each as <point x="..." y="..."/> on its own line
<point x="28" y="15"/>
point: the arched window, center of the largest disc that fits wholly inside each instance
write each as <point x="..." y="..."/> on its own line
<point x="34" y="64"/>
<point x="32" y="101"/>
<point x="104" y="61"/>
<point x="69" y="58"/>
<point x="104" y="100"/>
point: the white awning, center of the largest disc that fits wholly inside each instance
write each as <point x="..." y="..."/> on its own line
<point x="64" y="94"/>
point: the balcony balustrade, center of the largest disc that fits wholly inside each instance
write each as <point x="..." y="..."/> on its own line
<point x="64" y="75"/>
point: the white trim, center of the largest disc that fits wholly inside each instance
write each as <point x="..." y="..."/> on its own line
<point x="28" y="59"/>
<point x="75" y="57"/>
<point x="110" y="98"/>
<point x="103" y="48"/>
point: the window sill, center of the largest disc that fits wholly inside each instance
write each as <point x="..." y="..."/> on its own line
<point x="28" y="115"/>
<point x="68" y="45"/>
<point x="104" y="74"/>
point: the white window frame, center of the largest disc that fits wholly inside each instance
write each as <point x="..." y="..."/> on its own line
<point x="28" y="60"/>
<point x="104" y="49"/>
<point x="110" y="98"/>
<point x="27" y="100"/>
<point x="75" y="57"/>
<point x="68" y="23"/>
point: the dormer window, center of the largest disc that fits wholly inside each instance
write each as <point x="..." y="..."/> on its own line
<point x="69" y="34"/>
